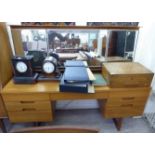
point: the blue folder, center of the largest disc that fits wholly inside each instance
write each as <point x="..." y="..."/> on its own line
<point x="76" y="75"/>
<point x="74" y="63"/>
<point x="73" y="87"/>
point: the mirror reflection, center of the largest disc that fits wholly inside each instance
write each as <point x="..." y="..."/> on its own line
<point x="121" y="43"/>
<point x="59" y="40"/>
<point x="94" y="46"/>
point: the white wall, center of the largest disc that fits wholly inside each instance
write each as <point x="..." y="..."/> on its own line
<point x="145" y="52"/>
<point x="81" y="23"/>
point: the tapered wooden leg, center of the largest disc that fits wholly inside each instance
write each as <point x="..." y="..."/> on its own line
<point x="118" y="123"/>
<point x="37" y="124"/>
<point x="2" y="126"/>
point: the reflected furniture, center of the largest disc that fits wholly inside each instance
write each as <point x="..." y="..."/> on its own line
<point x="106" y="40"/>
<point x="112" y="59"/>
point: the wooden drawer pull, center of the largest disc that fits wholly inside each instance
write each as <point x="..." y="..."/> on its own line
<point x="131" y="85"/>
<point x="126" y="105"/>
<point x="28" y="109"/>
<point x="27" y="102"/>
<point x="128" y="98"/>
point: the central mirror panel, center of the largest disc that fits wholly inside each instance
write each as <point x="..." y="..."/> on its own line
<point x="92" y="45"/>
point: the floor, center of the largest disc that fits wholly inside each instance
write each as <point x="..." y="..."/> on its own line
<point x="92" y="118"/>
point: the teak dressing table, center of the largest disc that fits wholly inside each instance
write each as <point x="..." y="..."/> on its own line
<point x="126" y="95"/>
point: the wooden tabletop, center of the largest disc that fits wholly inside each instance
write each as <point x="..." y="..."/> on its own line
<point x="40" y="87"/>
<point x="52" y="87"/>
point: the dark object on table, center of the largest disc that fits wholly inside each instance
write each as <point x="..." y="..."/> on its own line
<point x="23" y="71"/>
<point x="26" y="80"/>
<point x="50" y="70"/>
<point x="22" y="66"/>
<point x="75" y="79"/>
<point x="73" y="87"/>
<point x="38" y="58"/>
<point x="76" y="75"/>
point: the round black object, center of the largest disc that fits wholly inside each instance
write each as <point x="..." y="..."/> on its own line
<point x="49" y="65"/>
<point x="55" y="55"/>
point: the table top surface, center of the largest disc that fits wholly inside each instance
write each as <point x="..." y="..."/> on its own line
<point x="52" y="87"/>
<point x="40" y="87"/>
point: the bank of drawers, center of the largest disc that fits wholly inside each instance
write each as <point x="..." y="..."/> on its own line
<point x="125" y="103"/>
<point x="28" y="107"/>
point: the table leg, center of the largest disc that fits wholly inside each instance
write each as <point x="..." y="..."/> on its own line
<point x="118" y="123"/>
<point x="2" y="126"/>
<point x="36" y="124"/>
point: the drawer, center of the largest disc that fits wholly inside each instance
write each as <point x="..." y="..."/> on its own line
<point x="125" y="101"/>
<point x="143" y="92"/>
<point x="130" y="93"/>
<point x="28" y="105"/>
<point x="127" y="98"/>
<point x="30" y="116"/>
<point x="26" y="97"/>
<point x="123" y="111"/>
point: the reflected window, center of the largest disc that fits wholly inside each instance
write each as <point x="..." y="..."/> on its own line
<point x="34" y="40"/>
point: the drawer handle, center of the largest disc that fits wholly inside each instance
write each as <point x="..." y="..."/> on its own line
<point x="28" y="109"/>
<point x="131" y="85"/>
<point x="126" y="105"/>
<point x="26" y="102"/>
<point x="128" y="98"/>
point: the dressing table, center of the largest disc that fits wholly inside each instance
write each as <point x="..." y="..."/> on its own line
<point x="125" y="95"/>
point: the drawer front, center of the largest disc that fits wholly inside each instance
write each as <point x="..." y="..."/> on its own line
<point x="28" y="105"/>
<point x="131" y="81"/>
<point x="130" y="93"/>
<point x="125" y="101"/>
<point x="127" y="98"/>
<point x="26" y="97"/>
<point x="30" y="116"/>
<point x="123" y="111"/>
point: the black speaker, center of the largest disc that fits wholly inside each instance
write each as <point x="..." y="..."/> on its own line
<point x="38" y="58"/>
